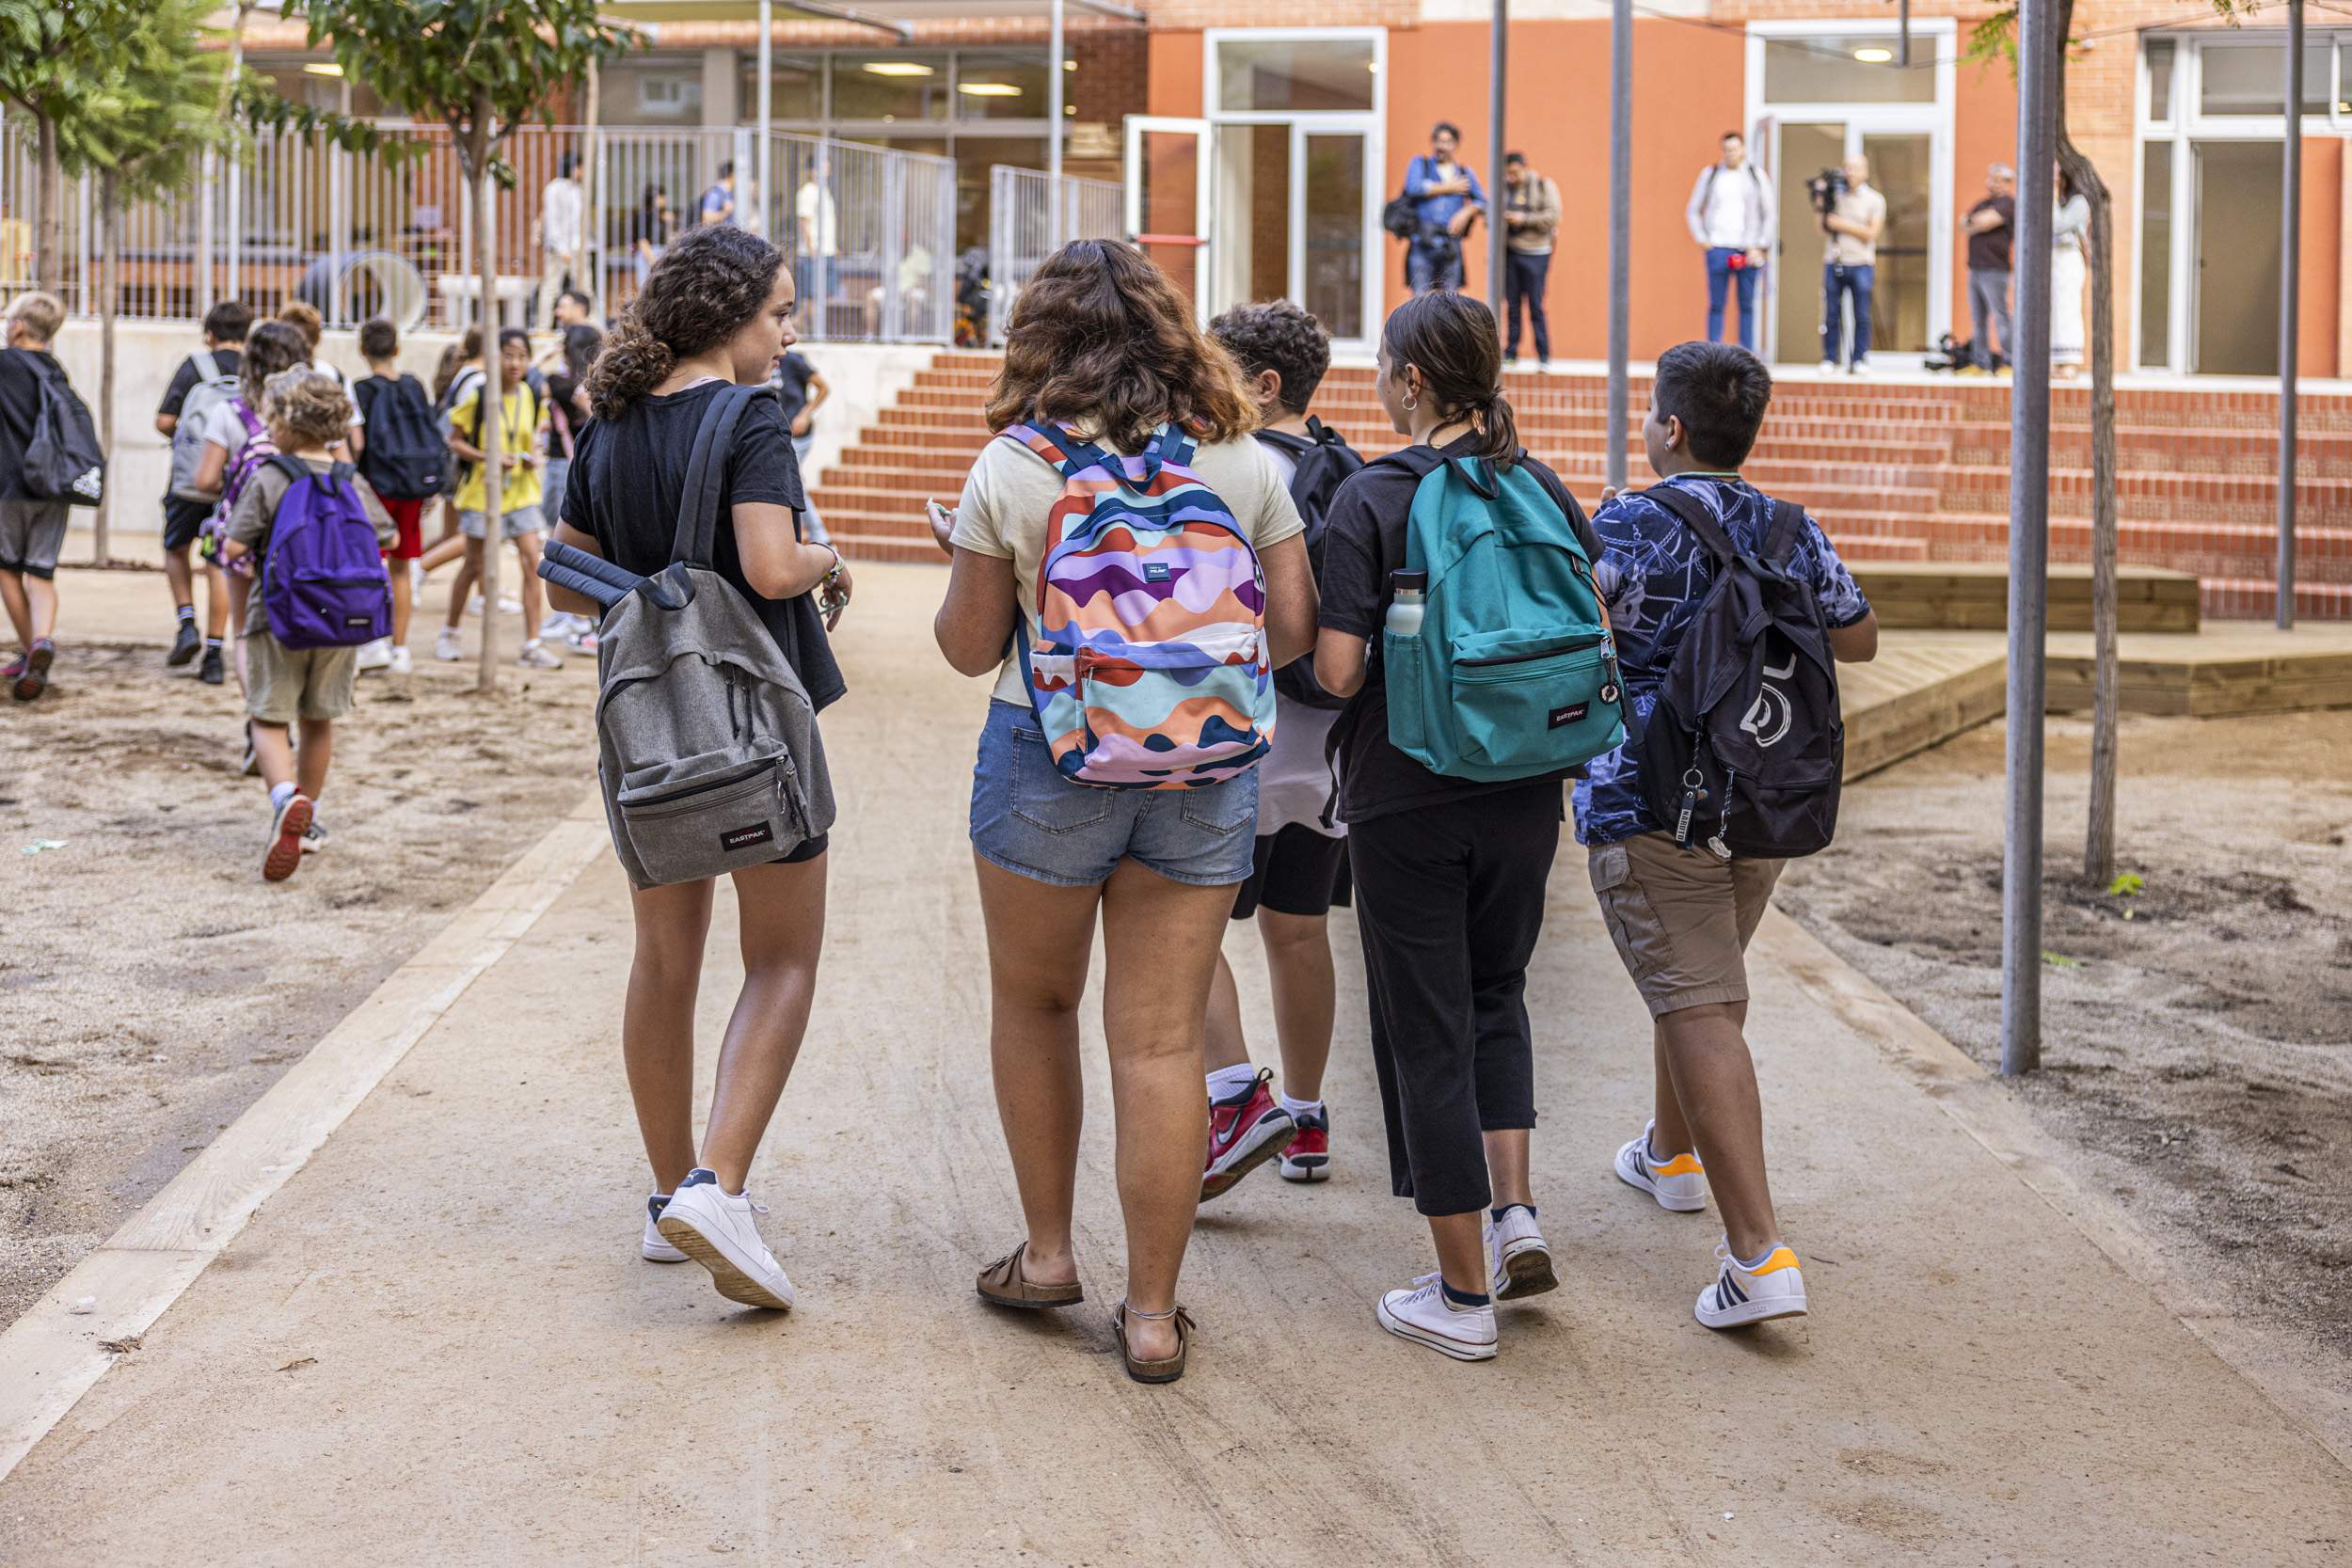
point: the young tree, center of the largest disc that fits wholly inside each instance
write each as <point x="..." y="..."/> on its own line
<point x="481" y="68"/>
<point x="53" y="67"/>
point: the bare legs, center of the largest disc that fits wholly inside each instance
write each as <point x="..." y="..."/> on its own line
<point x="32" y="605"/>
<point x="1708" y="1080"/>
<point x="1299" y="968"/>
<point x="280" y="763"/>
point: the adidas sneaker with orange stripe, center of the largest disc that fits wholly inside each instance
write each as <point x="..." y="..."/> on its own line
<point x="1678" y="1183"/>
<point x="1742" y="1295"/>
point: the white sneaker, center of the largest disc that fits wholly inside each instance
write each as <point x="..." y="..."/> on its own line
<point x="402" y="664"/>
<point x="538" y="655"/>
<point x="1516" y="1256"/>
<point x="446" y="647"/>
<point x="721" y="1233"/>
<point x="374" y="656"/>
<point x="560" y="624"/>
<point x="509" y="605"/>
<point x="1422" y="1315"/>
<point x="473" y="605"/>
<point x="1829" y="367"/>
<point x="1860" y="368"/>
<point x="1775" y="1288"/>
<point x="654" y="1247"/>
<point x="416" y="579"/>
<point x="1678" y="1184"/>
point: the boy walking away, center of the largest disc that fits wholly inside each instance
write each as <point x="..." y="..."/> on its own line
<point x="521" y="521"/>
<point x="46" y="450"/>
<point x="801" y="388"/>
<point x="204" y="379"/>
<point x="318" y="531"/>
<point x="1300" y="868"/>
<point x="1687" y="830"/>
<point x="406" y="463"/>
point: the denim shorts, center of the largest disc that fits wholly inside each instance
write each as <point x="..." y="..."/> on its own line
<point x="1029" y="820"/>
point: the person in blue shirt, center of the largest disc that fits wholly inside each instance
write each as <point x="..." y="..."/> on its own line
<point x="718" y="204"/>
<point x="1447" y="199"/>
<point x="1681" y="918"/>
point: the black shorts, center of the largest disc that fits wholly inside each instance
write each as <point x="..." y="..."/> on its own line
<point x="1295" y="871"/>
<point x="182" y="519"/>
<point x="804" y="851"/>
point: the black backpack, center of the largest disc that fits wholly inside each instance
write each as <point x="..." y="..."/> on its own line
<point x="1324" y="461"/>
<point x="63" y="461"/>
<point x="406" y="458"/>
<point x="1744" y="753"/>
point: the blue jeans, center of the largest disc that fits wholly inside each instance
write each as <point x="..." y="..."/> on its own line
<point x="1721" y="273"/>
<point x="1029" y="820"/>
<point x="1432" y="262"/>
<point x="553" y="480"/>
<point x="1839" y="282"/>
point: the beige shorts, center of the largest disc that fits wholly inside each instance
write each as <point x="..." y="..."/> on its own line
<point x="284" y="684"/>
<point x="1681" y="918"/>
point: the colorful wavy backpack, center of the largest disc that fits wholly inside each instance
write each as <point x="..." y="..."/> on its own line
<point x="1148" y="669"/>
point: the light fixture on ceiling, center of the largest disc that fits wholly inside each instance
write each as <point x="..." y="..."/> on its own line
<point x="327" y="68"/>
<point x="988" y="89"/>
<point x="898" y="68"/>
<point x="1874" y="55"/>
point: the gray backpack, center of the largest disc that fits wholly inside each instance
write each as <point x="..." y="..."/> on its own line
<point x="213" y="385"/>
<point x="707" y="742"/>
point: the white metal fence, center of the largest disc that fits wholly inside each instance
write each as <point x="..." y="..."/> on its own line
<point x="871" y="230"/>
<point x="1021" y="203"/>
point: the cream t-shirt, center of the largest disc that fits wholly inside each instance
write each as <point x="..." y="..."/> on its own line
<point x="1011" y="489"/>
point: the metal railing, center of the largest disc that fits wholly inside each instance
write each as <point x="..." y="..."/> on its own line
<point x="1020" y="235"/>
<point x="871" y="230"/>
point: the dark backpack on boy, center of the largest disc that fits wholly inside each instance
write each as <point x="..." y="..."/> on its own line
<point x="1324" y="461"/>
<point x="1745" y="754"/>
<point x="63" y="461"/>
<point x="407" y="457"/>
<point x="323" y="585"/>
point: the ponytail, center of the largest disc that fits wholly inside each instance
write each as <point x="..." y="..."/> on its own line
<point x="1451" y="340"/>
<point x="702" y="292"/>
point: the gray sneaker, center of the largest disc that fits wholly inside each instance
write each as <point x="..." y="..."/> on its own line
<point x="538" y="655"/>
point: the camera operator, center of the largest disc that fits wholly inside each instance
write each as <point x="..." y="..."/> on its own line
<point x="1731" y="218"/>
<point x="1853" y="213"/>
<point x="1447" y="199"/>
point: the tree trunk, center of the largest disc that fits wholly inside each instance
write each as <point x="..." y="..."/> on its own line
<point x="493" y="392"/>
<point x="109" y="306"/>
<point x="48" y="209"/>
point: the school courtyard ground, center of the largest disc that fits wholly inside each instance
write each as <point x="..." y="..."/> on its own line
<point x="389" y="1310"/>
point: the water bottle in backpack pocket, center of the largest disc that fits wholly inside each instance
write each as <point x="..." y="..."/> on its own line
<point x="323" y="584"/>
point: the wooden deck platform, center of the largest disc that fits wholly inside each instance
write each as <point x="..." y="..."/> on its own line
<point x="1922" y="690"/>
<point x="1957" y="597"/>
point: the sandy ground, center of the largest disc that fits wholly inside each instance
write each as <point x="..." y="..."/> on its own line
<point x="2198" y="1050"/>
<point x="152" y="985"/>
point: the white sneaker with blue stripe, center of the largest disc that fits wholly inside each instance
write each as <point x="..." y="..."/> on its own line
<point x="1742" y="1295"/>
<point x="654" y="1248"/>
<point x="720" y="1231"/>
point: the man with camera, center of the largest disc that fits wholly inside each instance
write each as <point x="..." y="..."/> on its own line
<point x="1853" y="213"/>
<point x="1990" y="224"/>
<point x="1731" y="218"/>
<point x="1446" y="198"/>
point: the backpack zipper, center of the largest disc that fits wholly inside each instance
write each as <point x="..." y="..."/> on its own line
<point x="1577" y="646"/>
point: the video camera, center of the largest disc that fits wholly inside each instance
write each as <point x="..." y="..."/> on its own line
<point x="1825" y="188"/>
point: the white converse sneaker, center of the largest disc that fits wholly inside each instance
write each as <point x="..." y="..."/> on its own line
<point x="1516" y="1256"/>
<point x="721" y="1233"/>
<point x="1422" y="1315"/>
<point x="446" y="646"/>
<point x="1740" y="1295"/>
<point x="1678" y="1183"/>
<point x="654" y="1248"/>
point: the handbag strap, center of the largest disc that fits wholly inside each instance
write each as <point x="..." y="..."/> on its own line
<point x="706" y="475"/>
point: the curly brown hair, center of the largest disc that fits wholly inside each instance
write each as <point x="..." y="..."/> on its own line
<point x="1279" y="337"/>
<point x="699" y="294"/>
<point x="1100" y="340"/>
<point x="271" y="347"/>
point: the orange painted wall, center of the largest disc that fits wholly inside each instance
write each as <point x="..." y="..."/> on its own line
<point x="2323" y="244"/>
<point x="1985" y="132"/>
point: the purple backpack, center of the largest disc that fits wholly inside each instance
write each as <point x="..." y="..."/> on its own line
<point x="324" y="585"/>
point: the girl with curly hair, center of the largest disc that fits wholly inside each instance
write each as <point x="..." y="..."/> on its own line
<point x="716" y="311"/>
<point x="1104" y="350"/>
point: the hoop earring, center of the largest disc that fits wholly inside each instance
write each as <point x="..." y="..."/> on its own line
<point x="1412" y="401"/>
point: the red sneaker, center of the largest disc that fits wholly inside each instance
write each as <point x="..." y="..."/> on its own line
<point x="1244" y="1132"/>
<point x="1309" y="1157"/>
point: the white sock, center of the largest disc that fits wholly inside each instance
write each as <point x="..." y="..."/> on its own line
<point x="1227" y="1081"/>
<point x="1298" y="1108"/>
<point x="279" y="794"/>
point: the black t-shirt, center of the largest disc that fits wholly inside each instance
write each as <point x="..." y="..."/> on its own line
<point x="1364" y="542"/>
<point x="627" y="476"/>
<point x="225" y="362"/>
<point x="1989" y="251"/>
<point x="20" y="372"/>
<point x="792" y="380"/>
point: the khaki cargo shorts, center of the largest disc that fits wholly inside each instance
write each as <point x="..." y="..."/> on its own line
<point x="1681" y="918"/>
<point x="283" y="684"/>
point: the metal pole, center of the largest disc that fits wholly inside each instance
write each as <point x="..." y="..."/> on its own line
<point x="1620" y="224"/>
<point x="1497" y="64"/>
<point x="1053" y="74"/>
<point x="2028" y="540"/>
<point x="206" y="191"/>
<point x="2290" y="290"/>
<point x="766" y="87"/>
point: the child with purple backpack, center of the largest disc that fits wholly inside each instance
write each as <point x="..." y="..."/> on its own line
<point x="315" y="528"/>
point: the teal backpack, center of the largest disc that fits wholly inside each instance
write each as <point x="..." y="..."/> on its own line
<point x="1513" y="673"/>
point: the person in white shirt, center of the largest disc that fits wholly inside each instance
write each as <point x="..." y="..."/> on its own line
<point x="1850" y="267"/>
<point x="1732" y="218"/>
<point x="560" y="239"/>
<point x="817" y="231"/>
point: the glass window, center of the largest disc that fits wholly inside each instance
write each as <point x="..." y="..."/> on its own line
<point x="796" y="88"/>
<point x="2160" y="79"/>
<point x="993" y="85"/>
<point x="1847" y="68"/>
<point x="2250" y="78"/>
<point x="890" y="88"/>
<point x="2155" y="255"/>
<point x="1297" y="75"/>
<point x="2343" y="68"/>
<point x="660" y="92"/>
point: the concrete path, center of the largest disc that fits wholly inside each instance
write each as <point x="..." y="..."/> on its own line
<point x="435" y="1343"/>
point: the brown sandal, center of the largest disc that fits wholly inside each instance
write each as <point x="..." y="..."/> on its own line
<point x="1004" y="1284"/>
<point x="1167" y="1371"/>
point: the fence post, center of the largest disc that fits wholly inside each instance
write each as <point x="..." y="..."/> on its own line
<point x="894" y="245"/>
<point x="1053" y="74"/>
<point x="1620" y="228"/>
<point x="205" y="297"/>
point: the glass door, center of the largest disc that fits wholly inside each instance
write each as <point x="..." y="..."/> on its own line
<point x="1910" y="306"/>
<point x="1331" y="211"/>
<point x="1170" y="176"/>
<point x="2236" y="257"/>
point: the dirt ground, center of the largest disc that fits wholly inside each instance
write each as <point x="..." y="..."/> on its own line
<point x="152" y="985"/>
<point x="2197" y="1037"/>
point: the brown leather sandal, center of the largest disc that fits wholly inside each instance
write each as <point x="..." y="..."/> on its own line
<point x="1003" y="1284"/>
<point x="1167" y="1371"/>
